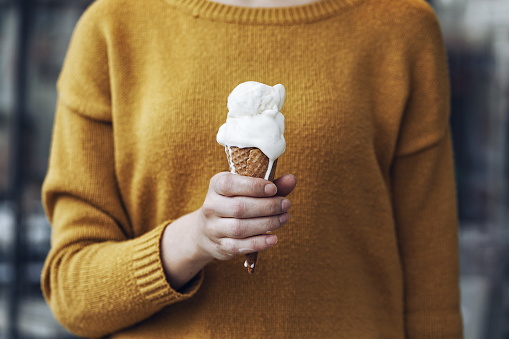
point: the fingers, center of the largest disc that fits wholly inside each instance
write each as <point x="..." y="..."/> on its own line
<point x="239" y="213"/>
<point x="244" y="228"/>
<point x="228" y="184"/>
<point x="228" y="237"/>
<point x="285" y="184"/>
<point x="228" y="247"/>
<point x="245" y="207"/>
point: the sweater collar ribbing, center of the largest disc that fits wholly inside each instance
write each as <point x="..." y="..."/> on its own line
<point x="312" y="12"/>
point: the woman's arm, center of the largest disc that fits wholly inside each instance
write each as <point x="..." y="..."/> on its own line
<point x="424" y="194"/>
<point x="426" y="221"/>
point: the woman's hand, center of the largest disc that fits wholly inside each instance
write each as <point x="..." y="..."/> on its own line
<point x="237" y="215"/>
<point x="236" y="218"/>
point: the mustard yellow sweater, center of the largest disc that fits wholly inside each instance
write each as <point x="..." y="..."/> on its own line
<point x="371" y="250"/>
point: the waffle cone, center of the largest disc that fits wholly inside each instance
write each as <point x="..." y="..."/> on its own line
<point x="250" y="162"/>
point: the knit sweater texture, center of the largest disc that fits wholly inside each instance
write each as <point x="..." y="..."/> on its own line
<point x="371" y="249"/>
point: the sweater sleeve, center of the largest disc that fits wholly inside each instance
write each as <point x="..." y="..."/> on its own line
<point x="424" y="195"/>
<point x="98" y="277"/>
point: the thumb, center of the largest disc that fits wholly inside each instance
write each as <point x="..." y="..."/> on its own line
<point x="285" y="184"/>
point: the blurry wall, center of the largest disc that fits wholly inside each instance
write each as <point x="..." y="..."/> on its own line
<point x="476" y="34"/>
<point x="34" y="35"/>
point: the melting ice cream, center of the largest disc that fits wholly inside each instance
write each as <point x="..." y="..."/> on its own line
<point x="254" y="120"/>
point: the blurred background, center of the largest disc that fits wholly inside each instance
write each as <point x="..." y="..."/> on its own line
<point x="34" y="35"/>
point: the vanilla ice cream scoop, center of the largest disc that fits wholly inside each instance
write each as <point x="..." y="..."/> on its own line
<point x="251" y="97"/>
<point x="254" y="119"/>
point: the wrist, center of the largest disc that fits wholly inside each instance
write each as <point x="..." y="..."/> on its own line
<point x="195" y="252"/>
<point x="181" y="256"/>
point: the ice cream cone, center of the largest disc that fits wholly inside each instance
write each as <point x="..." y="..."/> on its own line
<point x="253" y="135"/>
<point x="250" y="162"/>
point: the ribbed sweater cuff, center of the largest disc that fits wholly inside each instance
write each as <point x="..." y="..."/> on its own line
<point x="434" y="324"/>
<point x="149" y="272"/>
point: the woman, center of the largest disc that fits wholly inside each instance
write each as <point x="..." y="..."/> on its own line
<point x="139" y="212"/>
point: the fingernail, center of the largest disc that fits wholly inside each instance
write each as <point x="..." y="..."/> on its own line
<point x="271" y="241"/>
<point x="285" y="205"/>
<point x="270" y="189"/>
<point x="283" y="218"/>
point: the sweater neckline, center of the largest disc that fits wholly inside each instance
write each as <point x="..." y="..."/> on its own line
<point x="312" y="12"/>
